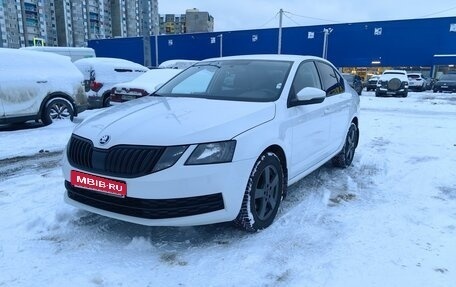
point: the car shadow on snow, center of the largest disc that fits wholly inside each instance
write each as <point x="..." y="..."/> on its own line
<point x="20" y="126"/>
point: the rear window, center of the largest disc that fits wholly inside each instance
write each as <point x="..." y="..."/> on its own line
<point x="393" y="73"/>
<point x="413" y="76"/>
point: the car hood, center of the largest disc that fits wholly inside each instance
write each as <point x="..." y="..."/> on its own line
<point x="174" y="121"/>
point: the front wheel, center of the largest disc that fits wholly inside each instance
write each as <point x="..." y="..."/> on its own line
<point x="263" y="194"/>
<point x="57" y="109"/>
<point x="345" y="157"/>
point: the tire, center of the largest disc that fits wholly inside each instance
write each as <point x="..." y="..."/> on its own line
<point x="345" y="157"/>
<point x="265" y="189"/>
<point x="57" y="109"/>
<point x="394" y="84"/>
<point x="405" y="95"/>
<point x="106" y="100"/>
<point x="377" y="94"/>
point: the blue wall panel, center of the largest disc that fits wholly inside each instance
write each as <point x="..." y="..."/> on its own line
<point x="125" y="48"/>
<point x="401" y="43"/>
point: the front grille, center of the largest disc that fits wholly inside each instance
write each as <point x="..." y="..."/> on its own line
<point x="121" y="161"/>
<point x="147" y="208"/>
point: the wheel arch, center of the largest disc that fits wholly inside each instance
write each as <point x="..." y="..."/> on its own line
<point x="57" y="95"/>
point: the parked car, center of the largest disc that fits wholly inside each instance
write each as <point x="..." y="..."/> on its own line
<point x="219" y="142"/>
<point x="392" y="83"/>
<point x="372" y="83"/>
<point x="446" y="83"/>
<point x="39" y="86"/>
<point x="355" y="82"/>
<point x="177" y="64"/>
<point x="100" y="74"/>
<point x="416" y="82"/>
<point x="142" y="85"/>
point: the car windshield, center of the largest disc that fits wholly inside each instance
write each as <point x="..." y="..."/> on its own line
<point x="235" y="80"/>
<point x="348" y="77"/>
<point x="448" y="77"/>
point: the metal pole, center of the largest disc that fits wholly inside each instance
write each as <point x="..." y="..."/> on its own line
<point x="156" y="45"/>
<point x="221" y="45"/>
<point x="325" y="40"/>
<point x="146" y="33"/>
<point x="279" y="48"/>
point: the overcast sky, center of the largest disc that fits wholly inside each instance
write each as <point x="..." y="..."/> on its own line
<point x="255" y="14"/>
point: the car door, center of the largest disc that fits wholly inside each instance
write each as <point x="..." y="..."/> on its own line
<point x="308" y="122"/>
<point x="337" y="106"/>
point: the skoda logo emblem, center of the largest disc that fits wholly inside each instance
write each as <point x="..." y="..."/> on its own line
<point x="104" y="139"/>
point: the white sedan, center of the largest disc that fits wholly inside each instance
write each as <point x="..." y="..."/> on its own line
<point x="142" y="86"/>
<point x="220" y="142"/>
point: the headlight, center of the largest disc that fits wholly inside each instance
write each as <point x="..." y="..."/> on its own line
<point x="218" y="152"/>
<point x="170" y="157"/>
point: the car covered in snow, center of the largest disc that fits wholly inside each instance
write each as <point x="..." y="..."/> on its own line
<point x="101" y="74"/>
<point x="219" y="142"/>
<point x="392" y="83"/>
<point x="354" y="81"/>
<point x="142" y="85"/>
<point x="371" y="84"/>
<point x="39" y="86"/>
<point x="416" y="82"/>
<point x="445" y="84"/>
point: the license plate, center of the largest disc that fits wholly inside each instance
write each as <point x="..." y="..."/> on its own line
<point x="390" y="93"/>
<point x="98" y="183"/>
<point x="128" y="98"/>
<point x="444" y="87"/>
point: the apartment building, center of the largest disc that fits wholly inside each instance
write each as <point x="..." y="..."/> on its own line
<point x="193" y="21"/>
<point x="24" y="21"/>
<point x="73" y="22"/>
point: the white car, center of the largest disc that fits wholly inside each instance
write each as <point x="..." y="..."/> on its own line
<point x="142" y="85"/>
<point x="392" y="83"/>
<point x="416" y="82"/>
<point x="219" y="142"/>
<point x="100" y="74"/>
<point x="39" y="86"/>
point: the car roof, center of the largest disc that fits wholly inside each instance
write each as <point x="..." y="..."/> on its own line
<point x="109" y="62"/>
<point x="282" y="57"/>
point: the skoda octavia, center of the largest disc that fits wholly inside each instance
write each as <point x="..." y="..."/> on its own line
<point x="219" y="142"/>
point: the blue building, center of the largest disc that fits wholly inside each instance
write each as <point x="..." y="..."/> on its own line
<point x="426" y="45"/>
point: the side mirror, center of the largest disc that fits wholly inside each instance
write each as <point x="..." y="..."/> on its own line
<point x="313" y="95"/>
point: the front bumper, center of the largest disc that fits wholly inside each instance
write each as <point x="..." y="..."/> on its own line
<point x="177" y="196"/>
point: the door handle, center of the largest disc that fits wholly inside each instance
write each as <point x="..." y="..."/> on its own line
<point x="42" y="82"/>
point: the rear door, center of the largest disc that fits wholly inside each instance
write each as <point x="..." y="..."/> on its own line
<point x="338" y="100"/>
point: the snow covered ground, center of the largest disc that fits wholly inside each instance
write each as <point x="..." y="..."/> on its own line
<point x="388" y="220"/>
